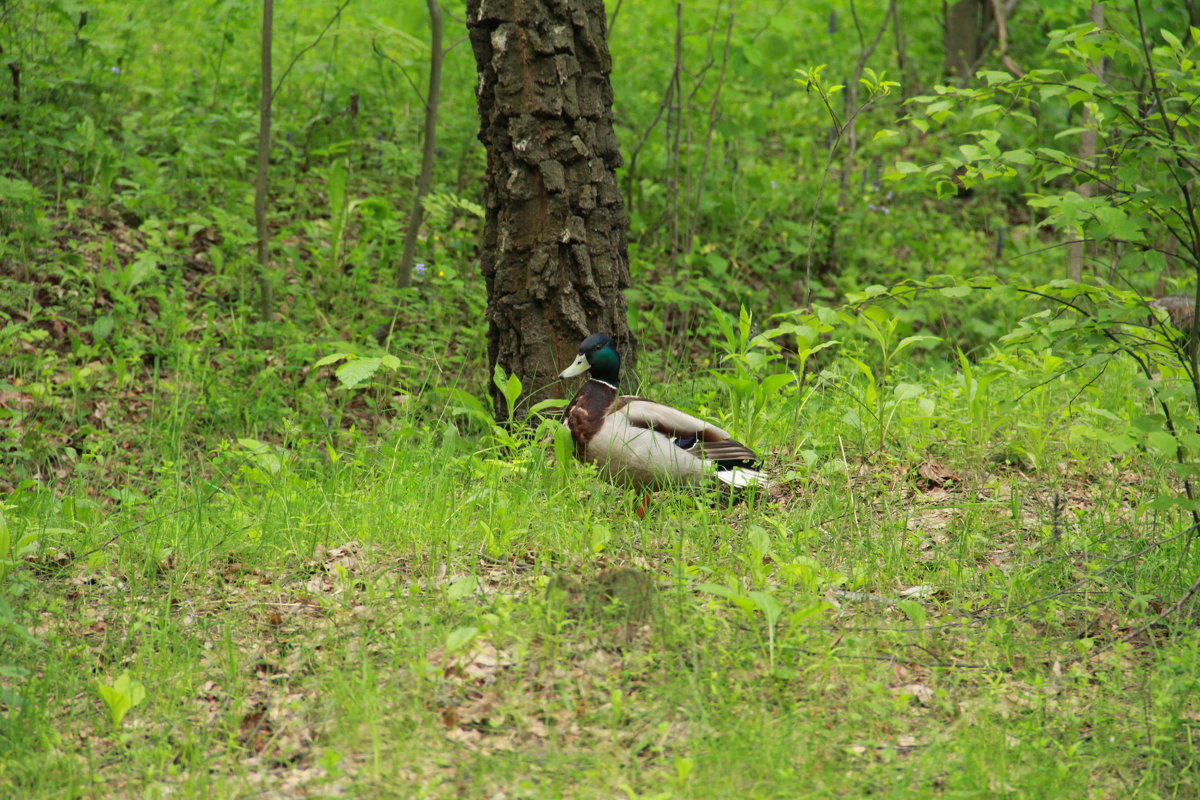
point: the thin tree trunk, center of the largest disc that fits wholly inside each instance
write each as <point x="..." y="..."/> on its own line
<point x="429" y="149"/>
<point x="1087" y="152"/>
<point x="714" y="114"/>
<point x="266" y="289"/>
<point x="909" y="83"/>
<point x="1000" y="16"/>
<point x="674" y="123"/>
<point x="963" y="37"/>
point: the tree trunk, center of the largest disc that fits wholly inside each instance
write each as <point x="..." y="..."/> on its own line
<point x="554" y="255"/>
<point x="963" y="41"/>
<point x="428" y="148"/>
<point x="266" y="290"/>
<point x="1087" y="153"/>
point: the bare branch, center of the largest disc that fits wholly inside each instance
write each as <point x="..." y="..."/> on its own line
<point x="336" y="15"/>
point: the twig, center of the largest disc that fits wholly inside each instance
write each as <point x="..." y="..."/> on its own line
<point x="150" y="521"/>
<point x="1195" y="587"/>
<point x="613" y="19"/>
<point x="852" y="94"/>
<point x="812" y="227"/>
<point x="849" y="484"/>
<point x="336" y="14"/>
<point x="1009" y="612"/>
<point x="713" y="116"/>
<point x="637" y="148"/>
<point x="1002" y="40"/>
<point x="893" y="658"/>
<point x="403" y="71"/>
<point x="1183" y="185"/>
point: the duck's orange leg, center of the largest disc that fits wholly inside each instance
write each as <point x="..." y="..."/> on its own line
<point x="641" y="509"/>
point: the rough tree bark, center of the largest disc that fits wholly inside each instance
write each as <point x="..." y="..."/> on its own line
<point x="554" y="255"/>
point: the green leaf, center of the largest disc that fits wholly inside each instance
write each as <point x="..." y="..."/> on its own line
<point x="512" y="390"/>
<point x="122" y="696"/>
<point x="807" y="612"/>
<point x="994" y="76"/>
<point x="460" y="637"/>
<point x="509" y="386"/>
<point x="909" y="341"/>
<point x="759" y="540"/>
<point x="564" y="445"/>
<point x="1023" y="157"/>
<point x="914" y="611"/>
<point x="773" y="383"/>
<point x="254" y="446"/>
<point x="768" y="605"/>
<point x="740" y="600"/>
<point x="5" y="544"/>
<point x="463" y="587"/>
<point x="955" y="291"/>
<point x="332" y="358"/>
<point x="718" y="265"/>
<point x="1116" y="224"/>
<point x="864" y="368"/>
<point x="142" y="268"/>
<point x="970" y="152"/>
<point x="550" y="402"/>
<point x="354" y="372"/>
<point x="1118" y="442"/>
<point x="1148" y="422"/>
<point x="987" y="109"/>
<point x="102" y="327"/>
<point x="600" y="537"/>
<point x="262" y="455"/>
<point x="1163" y="442"/>
<point x="469" y="404"/>
<point x="826" y="315"/>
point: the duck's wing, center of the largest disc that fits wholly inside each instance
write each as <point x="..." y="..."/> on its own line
<point x="651" y="445"/>
<point x="702" y="439"/>
<point x="663" y="418"/>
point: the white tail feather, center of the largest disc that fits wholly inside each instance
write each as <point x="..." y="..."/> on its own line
<point x="740" y="478"/>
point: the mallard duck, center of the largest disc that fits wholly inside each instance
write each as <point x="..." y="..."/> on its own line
<point x="643" y="444"/>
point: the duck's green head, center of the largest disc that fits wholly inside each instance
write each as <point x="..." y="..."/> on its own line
<point x="597" y="353"/>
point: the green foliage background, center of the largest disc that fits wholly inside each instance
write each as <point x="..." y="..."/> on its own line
<point x="871" y="307"/>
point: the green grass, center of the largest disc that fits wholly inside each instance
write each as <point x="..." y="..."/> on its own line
<point x="387" y="621"/>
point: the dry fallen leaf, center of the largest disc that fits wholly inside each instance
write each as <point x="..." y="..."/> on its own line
<point x="920" y="691"/>
<point x="255" y="729"/>
<point x="933" y="475"/>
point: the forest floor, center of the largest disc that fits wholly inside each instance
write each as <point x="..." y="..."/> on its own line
<point x="418" y="613"/>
